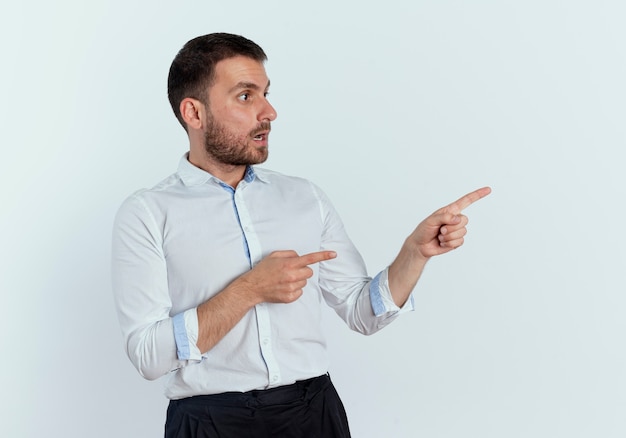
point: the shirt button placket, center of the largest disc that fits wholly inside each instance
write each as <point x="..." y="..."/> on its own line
<point x="262" y="311"/>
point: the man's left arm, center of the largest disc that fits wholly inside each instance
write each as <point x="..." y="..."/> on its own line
<point x="368" y="304"/>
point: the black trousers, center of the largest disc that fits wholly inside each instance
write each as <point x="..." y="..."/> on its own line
<point x="307" y="409"/>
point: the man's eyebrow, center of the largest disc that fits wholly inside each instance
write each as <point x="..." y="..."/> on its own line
<point x="243" y="85"/>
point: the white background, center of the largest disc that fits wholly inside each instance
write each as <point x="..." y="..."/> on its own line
<point x="395" y="108"/>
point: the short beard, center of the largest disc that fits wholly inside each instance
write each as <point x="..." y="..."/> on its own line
<point x="226" y="148"/>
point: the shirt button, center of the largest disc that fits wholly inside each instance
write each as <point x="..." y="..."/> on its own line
<point x="274" y="378"/>
<point x="266" y="341"/>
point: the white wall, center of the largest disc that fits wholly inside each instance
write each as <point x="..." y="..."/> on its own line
<point x="395" y="109"/>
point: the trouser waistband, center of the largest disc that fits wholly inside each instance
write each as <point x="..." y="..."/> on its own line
<point x="299" y="390"/>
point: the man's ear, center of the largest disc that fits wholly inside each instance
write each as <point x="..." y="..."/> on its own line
<point x="192" y="112"/>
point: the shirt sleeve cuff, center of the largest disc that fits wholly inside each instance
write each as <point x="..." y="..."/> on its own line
<point x="381" y="299"/>
<point x="186" y="335"/>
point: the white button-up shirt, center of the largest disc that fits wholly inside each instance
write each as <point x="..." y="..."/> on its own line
<point x="183" y="241"/>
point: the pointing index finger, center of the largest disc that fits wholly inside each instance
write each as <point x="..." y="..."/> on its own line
<point x="467" y="200"/>
<point x="316" y="257"/>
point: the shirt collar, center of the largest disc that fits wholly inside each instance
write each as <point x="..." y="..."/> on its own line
<point x="194" y="176"/>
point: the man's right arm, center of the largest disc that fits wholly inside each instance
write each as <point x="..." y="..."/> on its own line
<point x="140" y="290"/>
<point x="144" y="304"/>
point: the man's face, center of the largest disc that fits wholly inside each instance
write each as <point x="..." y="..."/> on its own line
<point x="239" y="114"/>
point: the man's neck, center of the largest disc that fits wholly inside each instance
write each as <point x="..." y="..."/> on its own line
<point x="231" y="174"/>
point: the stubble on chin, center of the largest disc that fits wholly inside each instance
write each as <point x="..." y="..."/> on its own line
<point x="228" y="149"/>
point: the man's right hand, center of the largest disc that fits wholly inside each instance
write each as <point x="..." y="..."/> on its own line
<point x="281" y="276"/>
<point x="278" y="278"/>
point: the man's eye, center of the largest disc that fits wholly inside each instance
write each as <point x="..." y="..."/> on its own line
<point x="244" y="96"/>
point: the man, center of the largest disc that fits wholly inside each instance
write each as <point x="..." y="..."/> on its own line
<point x="220" y="271"/>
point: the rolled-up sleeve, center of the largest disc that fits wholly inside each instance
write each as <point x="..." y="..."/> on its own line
<point x="186" y="335"/>
<point x="364" y="303"/>
<point x="382" y="301"/>
<point x="156" y="342"/>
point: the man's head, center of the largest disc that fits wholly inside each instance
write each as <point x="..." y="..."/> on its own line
<point x="193" y="70"/>
<point x="218" y="90"/>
